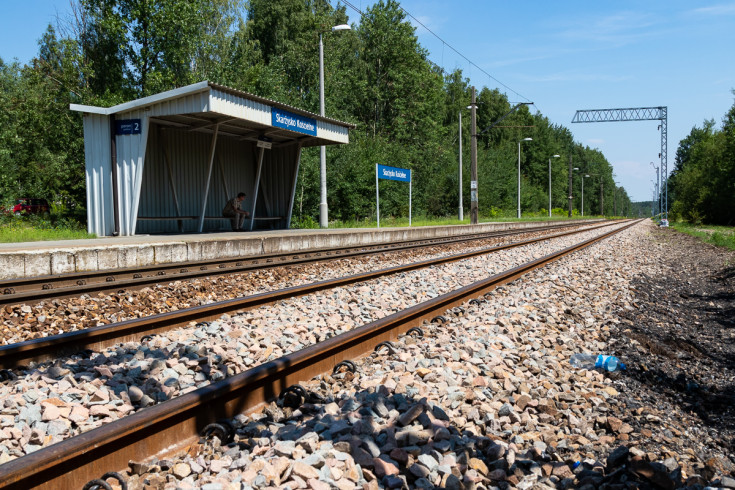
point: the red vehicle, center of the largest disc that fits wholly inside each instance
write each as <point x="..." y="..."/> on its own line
<point x="25" y="205"/>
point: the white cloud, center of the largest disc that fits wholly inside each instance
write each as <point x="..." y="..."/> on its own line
<point x="612" y="30"/>
<point x="725" y="9"/>
<point x="595" y="141"/>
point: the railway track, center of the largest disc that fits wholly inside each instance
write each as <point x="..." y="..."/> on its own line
<point x="98" y="338"/>
<point x="172" y="426"/>
<point x="35" y="289"/>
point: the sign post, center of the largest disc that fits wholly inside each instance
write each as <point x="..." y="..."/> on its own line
<point x="392" y="173"/>
<point x="377" y="193"/>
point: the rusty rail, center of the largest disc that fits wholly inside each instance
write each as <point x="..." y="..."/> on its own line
<point x="171" y="426"/>
<point x="97" y="338"/>
<point x="35" y="289"/>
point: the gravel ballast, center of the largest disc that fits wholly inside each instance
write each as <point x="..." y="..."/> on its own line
<point x="50" y="402"/>
<point x="486" y="400"/>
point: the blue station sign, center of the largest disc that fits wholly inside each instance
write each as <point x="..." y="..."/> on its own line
<point x="293" y="122"/>
<point x="127" y="126"/>
<point x="393" y="173"/>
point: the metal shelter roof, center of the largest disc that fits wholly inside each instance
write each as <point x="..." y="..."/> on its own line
<point x="201" y="106"/>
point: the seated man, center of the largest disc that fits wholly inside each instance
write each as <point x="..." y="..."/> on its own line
<point x="232" y="210"/>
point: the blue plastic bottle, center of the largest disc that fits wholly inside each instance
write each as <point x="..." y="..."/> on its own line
<point x="591" y="361"/>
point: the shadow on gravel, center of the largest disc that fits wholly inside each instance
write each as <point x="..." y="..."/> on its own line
<point x="679" y="340"/>
<point x="401" y="441"/>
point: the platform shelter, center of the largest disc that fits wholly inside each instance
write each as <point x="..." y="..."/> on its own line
<point x="169" y="162"/>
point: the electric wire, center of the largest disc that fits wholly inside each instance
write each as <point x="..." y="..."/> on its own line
<point x="444" y="43"/>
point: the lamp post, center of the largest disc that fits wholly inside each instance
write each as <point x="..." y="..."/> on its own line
<point x="576" y="169"/>
<point x="519" y="174"/>
<point x="323" y="209"/>
<point x="658" y="180"/>
<point x="474" y="198"/>
<point x="582" y="179"/>
<point x="552" y="156"/>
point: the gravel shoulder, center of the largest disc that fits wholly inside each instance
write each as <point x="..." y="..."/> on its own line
<point x="678" y="337"/>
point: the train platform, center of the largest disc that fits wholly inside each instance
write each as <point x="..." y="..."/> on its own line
<point x="33" y="259"/>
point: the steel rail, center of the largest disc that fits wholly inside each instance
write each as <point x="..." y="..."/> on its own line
<point x="35" y="289"/>
<point x="172" y="426"/>
<point x="97" y="338"/>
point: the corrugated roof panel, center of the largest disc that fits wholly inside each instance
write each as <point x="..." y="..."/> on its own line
<point x="332" y="132"/>
<point x="130" y="161"/>
<point x="236" y="106"/>
<point x="98" y="169"/>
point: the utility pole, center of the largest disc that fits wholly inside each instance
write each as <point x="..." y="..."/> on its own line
<point x="615" y="201"/>
<point x="461" y="204"/>
<point x="570" y="186"/>
<point x="473" y="156"/>
<point x="602" y="197"/>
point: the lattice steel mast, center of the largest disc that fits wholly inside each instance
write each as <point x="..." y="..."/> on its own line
<point x="635" y="114"/>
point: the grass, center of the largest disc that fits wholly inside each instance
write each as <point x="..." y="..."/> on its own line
<point x="15" y="229"/>
<point x="722" y="236"/>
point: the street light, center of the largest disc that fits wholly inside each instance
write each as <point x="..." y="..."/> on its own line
<point x="658" y="180"/>
<point x="519" y="174"/>
<point x="576" y="169"/>
<point x="323" y="210"/>
<point x="552" y="156"/>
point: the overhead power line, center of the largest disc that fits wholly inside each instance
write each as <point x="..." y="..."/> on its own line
<point x="444" y="43"/>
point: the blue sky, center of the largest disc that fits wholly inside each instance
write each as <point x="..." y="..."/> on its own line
<point x="563" y="55"/>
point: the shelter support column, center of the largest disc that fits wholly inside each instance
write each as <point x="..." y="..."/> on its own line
<point x="293" y="186"/>
<point x="256" y="186"/>
<point x="209" y="177"/>
<point x="113" y="168"/>
<point x="170" y="176"/>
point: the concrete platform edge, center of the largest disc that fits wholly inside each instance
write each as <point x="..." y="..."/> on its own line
<point x="96" y="257"/>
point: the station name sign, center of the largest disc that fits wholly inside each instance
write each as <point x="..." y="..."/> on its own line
<point x="127" y="126"/>
<point x="393" y="173"/>
<point x="293" y="122"/>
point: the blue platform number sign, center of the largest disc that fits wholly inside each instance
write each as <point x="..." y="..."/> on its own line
<point x="393" y="173"/>
<point x="127" y="126"/>
<point x="293" y="122"/>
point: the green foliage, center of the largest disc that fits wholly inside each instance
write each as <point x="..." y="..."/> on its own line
<point x="377" y="76"/>
<point x="702" y="185"/>
<point x="41" y="145"/>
